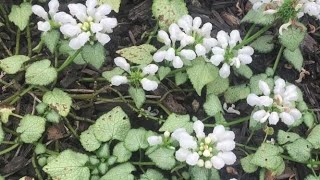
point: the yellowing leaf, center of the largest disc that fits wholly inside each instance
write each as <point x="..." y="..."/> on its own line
<point x="115" y="4"/>
<point x="138" y="54"/>
<point x="58" y="100"/>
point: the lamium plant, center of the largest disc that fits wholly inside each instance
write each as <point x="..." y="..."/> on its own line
<point x="186" y="100"/>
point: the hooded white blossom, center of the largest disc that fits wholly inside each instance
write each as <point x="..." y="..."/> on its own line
<point x="135" y="74"/>
<point x="213" y="150"/>
<point x="185" y="40"/>
<point x="158" y="140"/>
<point x="275" y="105"/>
<point x="91" y="23"/>
<point x="225" y="53"/>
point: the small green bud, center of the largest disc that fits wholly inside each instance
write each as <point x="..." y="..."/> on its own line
<point x="40" y="148"/>
<point x="269" y="131"/>
<point x="41" y="108"/>
<point x="53" y="116"/>
<point x="42" y="161"/>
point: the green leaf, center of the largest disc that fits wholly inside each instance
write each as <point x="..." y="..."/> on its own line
<point x="300" y="150"/>
<point x="69" y="165"/>
<point x="1" y="134"/>
<point x="113" y="125"/>
<point x="136" y="139"/>
<point x="201" y="173"/>
<point x="259" y="17"/>
<point x="244" y="71"/>
<point x="253" y="124"/>
<point x="103" y="151"/>
<point x="168" y="11"/>
<point x="175" y="121"/>
<point x="121" y="152"/>
<point x="65" y="49"/>
<point x="152" y="174"/>
<point x="109" y="74"/>
<point x="268" y="156"/>
<point x="313" y="137"/>
<point x="20" y="15"/>
<point x="12" y="65"/>
<point x="163" y="158"/>
<point x="202" y="73"/>
<point x="263" y="44"/>
<point x="58" y="100"/>
<point x="31" y="128"/>
<point x="89" y="141"/>
<point x="295" y="58"/>
<point x="163" y="72"/>
<point x="94" y="54"/>
<point x="279" y="170"/>
<point x="308" y="119"/>
<point x="51" y="39"/>
<point x="254" y="83"/>
<point x="312" y="177"/>
<point x="138" y="95"/>
<point x="218" y="86"/>
<point x="292" y="37"/>
<point x="236" y="93"/>
<point x="120" y="172"/>
<point x="246" y="164"/>
<point x="41" y="73"/>
<point x="138" y="54"/>
<point x="5" y="112"/>
<point x="212" y="105"/>
<point x="115" y="4"/>
<point x="285" y="137"/>
<point x="181" y="78"/>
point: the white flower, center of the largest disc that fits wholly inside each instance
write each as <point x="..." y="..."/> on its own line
<point x="231" y="109"/>
<point x="200" y="50"/>
<point x="177" y="62"/>
<point x="224" y="72"/>
<point x="39" y="11"/>
<point x="217" y="162"/>
<point x="192" y="159"/>
<point x="118" y="80"/>
<point x="159" y="56"/>
<point x="122" y="63"/>
<point x="188" y="54"/>
<point x="154" y="140"/>
<point x="150" y="69"/>
<point x="281" y="100"/>
<point x="149" y="85"/>
<point x="182" y="154"/>
<point x="198" y="128"/>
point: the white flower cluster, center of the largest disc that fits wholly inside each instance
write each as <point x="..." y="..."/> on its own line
<point x="213" y="150"/>
<point x="135" y="76"/>
<point x="311" y="7"/>
<point x="90" y="23"/>
<point x="277" y="104"/>
<point x="226" y="53"/>
<point x="186" y="40"/>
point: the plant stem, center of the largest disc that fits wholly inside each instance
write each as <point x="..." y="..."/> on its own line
<point x="249" y="31"/>
<point x="92" y="79"/>
<point x="9" y="149"/>
<point x="36" y="167"/>
<point x="69" y="60"/>
<point x="143" y="163"/>
<point x="7" y="130"/>
<point x="29" y="41"/>
<point x="253" y="37"/>
<point x="5" y="47"/>
<point x="278" y="58"/>
<point x="73" y="131"/>
<point x="17" y="97"/>
<point x="238" y="121"/>
<point x="18" y="42"/>
<point x="17" y="115"/>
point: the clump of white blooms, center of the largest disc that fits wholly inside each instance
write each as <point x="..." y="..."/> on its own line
<point x="91" y="22"/>
<point x="226" y="54"/>
<point x="136" y="76"/>
<point x="187" y="39"/>
<point x="275" y="105"/>
<point x="212" y="150"/>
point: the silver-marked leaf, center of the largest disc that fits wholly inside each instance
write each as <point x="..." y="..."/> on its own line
<point x="263" y="44"/>
<point x="13" y="64"/>
<point x="246" y="164"/>
<point x="51" y="39"/>
<point x="292" y="37"/>
<point x="152" y="174"/>
<point x="31" y="128"/>
<point x="295" y="58"/>
<point x="212" y="105"/>
<point x="136" y="139"/>
<point x="120" y="172"/>
<point x="94" y="54"/>
<point x="20" y="15"/>
<point x="89" y="141"/>
<point x="181" y="78"/>
<point x="163" y="157"/>
<point x="138" y="54"/>
<point x="175" y="121"/>
<point x="115" y="4"/>
<point x="163" y="72"/>
<point x="138" y="95"/>
<point x="313" y="137"/>
<point x="58" y="100"/>
<point x="259" y="17"/>
<point x="121" y="152"/>
<point x="236" y="93"/>
<point x="300" y="150"/>
<point x="109" y="74"/>
<point x="41" y="73"/>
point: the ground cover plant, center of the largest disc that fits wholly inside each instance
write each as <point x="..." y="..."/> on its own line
<point x="159" y="89"/>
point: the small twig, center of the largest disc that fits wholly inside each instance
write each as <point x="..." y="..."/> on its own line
<point x="18" y="42"/>
<point x="36" y="167"/>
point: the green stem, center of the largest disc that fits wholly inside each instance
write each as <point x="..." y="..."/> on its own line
<point x="278" y="58"/>
<point x="18" y="42"/>
<point x="73" y="131"/>
<point x="249" y="31"/>
<point x="92" y="79"/>
<point x="69" y="60"/>
<point x="29" y="41"/>
<point x="7" y="130"/>
<point x="143" y="163"/>
<point x="253" y="37"/>
<point x="16" y="98"/>
<point x="238" y="121"/>
<point x="5" y="47"/>
<point x="17" y="115"/>
<point x="9" y="149"/>
<point x="34" y="164"/>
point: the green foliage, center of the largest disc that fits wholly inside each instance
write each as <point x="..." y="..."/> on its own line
<point x="163" y="158"/>
<point x="31" y="128"/>
<point x="1" y="134"/>
<point x="138" y="95"/>
<point x="244" y="71"/>
<point x="113" y="125"/>
<point x="40" y="148"/>
<point x="236" y="93"/>
<point x="136" y="139"/>
<point x="168" y="11"/>
<point x="181" y="78"/>
<point x="285" y="137"/>
<point x="51" y="39"/>
<point x="115" y="4"/>
<point x="68" y="165"/>
<point x="263" y="44"/>
<point x="212" y="105"/>
<point x="299" y="150"/>
<point x="313" y="137"/>
<point x="163" y="72"/>
<point x="254" y="83"/>
<point x="175" y="121"/>
<point x="121" y="152"/>
<point x="198" y="173"/>
<point x="312" y="177"/>
<point x="138" y="54"/>
<point x="268" y="156"/>
<point x="53" y="116"/>
<point x="201" y="73"/>
<point x="41" y="73"/>
<point x="292" y="37"/>
<point x="12" y="64"/>
<point x="218" y="86"/>
<point x="308" y="119"/>
<point x="109" y="74"/>
<point x="103" y="151"/>
<point x="88" y="140"/>
<point x="295" y="58"/>
<point x="5" y="112"/>
<point x="94" y="54"/>
<point x="20" y="15"/>
<point x="246" y="164"/>
<point x="120" y="172"/>
<point x="65" y="49"/>
<point x="258" y="17"/>
<point x="152" y="174"/>
<point x="58" y="100"/>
